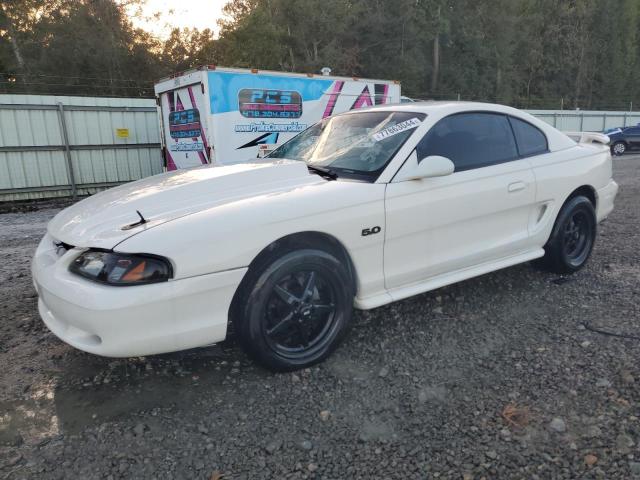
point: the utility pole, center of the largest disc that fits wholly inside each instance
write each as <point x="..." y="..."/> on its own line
<point x="436" y="54"/>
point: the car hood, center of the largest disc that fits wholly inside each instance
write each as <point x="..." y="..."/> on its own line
<point x="105" y="219"/>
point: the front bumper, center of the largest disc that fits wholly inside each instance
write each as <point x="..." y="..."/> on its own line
<point x="605" y="201"/>
<point x="130" y="321"/>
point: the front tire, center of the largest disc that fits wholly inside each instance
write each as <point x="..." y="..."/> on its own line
<point x="572" y="238"/>
<point x="618" y="148"/>
<point x="296" y="310"/>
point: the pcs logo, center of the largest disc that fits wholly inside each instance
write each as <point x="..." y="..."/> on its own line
<point x="265" y="103"/>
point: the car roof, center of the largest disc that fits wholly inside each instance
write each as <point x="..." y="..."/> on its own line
<point x="438" y="109"/>
<point x="443" y="107"/>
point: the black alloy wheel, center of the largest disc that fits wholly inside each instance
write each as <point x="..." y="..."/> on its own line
<point x="300" y="313"/>
<point x="572" y="237"/>
<point x="577" y="237"/>
<point x="295" y="310"/>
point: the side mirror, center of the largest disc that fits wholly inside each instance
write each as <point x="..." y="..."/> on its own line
<point x="428" y="167"/>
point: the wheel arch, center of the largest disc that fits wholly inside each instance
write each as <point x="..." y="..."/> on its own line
<point x="586" y="191"/>
<point x="291" y="242"/>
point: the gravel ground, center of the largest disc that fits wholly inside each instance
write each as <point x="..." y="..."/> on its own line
<point x="496" y="377"/>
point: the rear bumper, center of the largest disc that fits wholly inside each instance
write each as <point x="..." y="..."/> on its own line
<point x="131" y="321"/>
<point x="605" y="201"/>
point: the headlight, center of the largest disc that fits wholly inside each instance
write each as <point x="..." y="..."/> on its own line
<point x="121" y="268"/>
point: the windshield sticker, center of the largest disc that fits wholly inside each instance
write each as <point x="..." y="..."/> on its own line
<point x="396" y="129"/>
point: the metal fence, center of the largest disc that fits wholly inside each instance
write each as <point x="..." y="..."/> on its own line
<point x="54" y="146"/>
<point x="586" y="121"/>
<point x="61" y="146"/>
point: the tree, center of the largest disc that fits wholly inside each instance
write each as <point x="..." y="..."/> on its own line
<point x="531" y="53"/>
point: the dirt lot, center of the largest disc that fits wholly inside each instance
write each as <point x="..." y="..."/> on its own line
<point x="497" y="377"/>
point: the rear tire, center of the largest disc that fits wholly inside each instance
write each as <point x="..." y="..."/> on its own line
<point x="572" y="238"/>
<point x="295" y="310"/>
<point x="618" y="148"/>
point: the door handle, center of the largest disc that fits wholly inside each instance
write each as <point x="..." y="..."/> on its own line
<point x="516" y="186"/>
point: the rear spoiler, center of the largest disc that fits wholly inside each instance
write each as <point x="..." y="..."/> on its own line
<point x="589" y="137"/>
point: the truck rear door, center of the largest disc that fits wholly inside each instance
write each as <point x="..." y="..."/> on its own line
<point x="184" y="122"/>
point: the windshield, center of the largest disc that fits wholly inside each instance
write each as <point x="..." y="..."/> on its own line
<point x="354" y="145"/>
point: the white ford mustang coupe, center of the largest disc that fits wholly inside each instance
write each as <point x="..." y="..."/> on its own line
<point x="361" y="209"/>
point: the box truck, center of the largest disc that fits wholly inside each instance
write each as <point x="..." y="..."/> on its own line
<point x="214" y="115"/>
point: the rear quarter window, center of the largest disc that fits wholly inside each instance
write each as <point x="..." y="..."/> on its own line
<point x="530" y="139"/>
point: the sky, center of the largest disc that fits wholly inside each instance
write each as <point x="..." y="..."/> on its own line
<point x="200" y="14"/>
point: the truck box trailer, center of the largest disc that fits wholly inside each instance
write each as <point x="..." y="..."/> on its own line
<point x="228" y="115"/>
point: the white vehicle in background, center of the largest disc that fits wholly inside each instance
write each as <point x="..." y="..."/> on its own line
<point x="362" y="209"/>
<point x="229" y="115"/>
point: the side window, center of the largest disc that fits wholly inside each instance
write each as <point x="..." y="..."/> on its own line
<point x="470" y="140"/>
<point x="531" y="141"/>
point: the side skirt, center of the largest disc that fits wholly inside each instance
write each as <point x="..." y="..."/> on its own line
<point x="445" y="279"/>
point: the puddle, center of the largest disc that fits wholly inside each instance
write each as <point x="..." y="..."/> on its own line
<point x="31" y="419"/>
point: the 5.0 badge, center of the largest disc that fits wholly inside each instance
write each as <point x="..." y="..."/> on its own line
<point x="371" y="231"/>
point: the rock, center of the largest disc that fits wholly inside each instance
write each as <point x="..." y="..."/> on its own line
<point x="202" y="429"/>
<point x="384" y="371"/>
<point x="295" y="378"/>
<point x="590" y="459"/>
<point x="139" y="429"/>
<point x="312" y="467"/>
<point x="603" y="383"/>
<point x="624" y="443"/>
<point x="14" y="460"/>
<point x="634" y="468"/>
<point x="306" y="445"/>
<point x="585" y="344"/>
<point x="558" y="425"/>
<point x="273" y="446"/>
<point x="324" y="415"/>
<point x="436" y="394"/>
<point x="505" y="434"/>
<point x="626" y="377"/>
<point x="491" y="454"/>
<point x="467" y="476"/>
<point x="594" y="432"/>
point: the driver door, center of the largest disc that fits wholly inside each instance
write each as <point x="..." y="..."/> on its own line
<point x="476" y="215"/>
